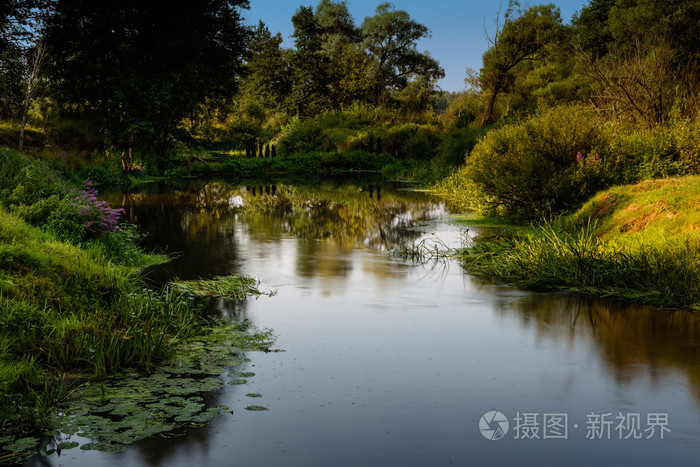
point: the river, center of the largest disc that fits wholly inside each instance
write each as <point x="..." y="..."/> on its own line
<point x="391" y="362"/>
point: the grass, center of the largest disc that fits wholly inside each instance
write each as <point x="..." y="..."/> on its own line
<point x="653" y="212"/>
<point x="69" y="311"/>
<point x="233" y="287"/>
<point x="72" y="311"/>
<point x="636" y="242"/>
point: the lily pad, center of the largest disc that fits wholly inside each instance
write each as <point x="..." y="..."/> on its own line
<point x="103" y="446"/>
<point x="256" y="408"/>
<point x="68" y="445"/>
<point x="129" y="408"/>
<point x="23" y="444"/>
<point x="242" y="374"/>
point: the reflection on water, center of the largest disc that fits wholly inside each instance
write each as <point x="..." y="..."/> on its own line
<point x="388" y="363"/>
<point x="637" y="344"/>
<point x="214" y="221"/>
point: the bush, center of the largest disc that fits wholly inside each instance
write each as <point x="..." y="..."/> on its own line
<point x="658" y="153"/>
<point x="456" y="144"/>
<point x="24" y="180"/>
<point x="75" y="217"/>
<point x="550" y="163"/>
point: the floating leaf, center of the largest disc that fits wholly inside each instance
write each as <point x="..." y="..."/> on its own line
<point x="256" y="408"/>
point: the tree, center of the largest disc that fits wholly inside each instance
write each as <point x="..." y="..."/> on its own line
<point x="267" y="79"/>
<point x="643" y="56"/>
<point x="144" y="65"/>
<point x="329" y="64"/>
<point x="591" y="28"/>
<point x="347" y="63"/>
<point x="309" y="95"/>
<point x="20" y="22"/>
<point x="676" y="22"/>
<point x="390" y="38"/>
<point x="35" y="61"/>
<point x="523" y="37"/>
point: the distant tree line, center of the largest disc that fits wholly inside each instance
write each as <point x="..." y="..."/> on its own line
<point x="142" y="68"/>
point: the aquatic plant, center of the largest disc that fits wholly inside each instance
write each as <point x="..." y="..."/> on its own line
<point x="580" y="261"/>
<point x="425" y="250"/>
<point x="234" y="287"/>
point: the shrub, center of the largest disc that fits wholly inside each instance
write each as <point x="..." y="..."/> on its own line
<point x="24" y="180"/>
<point x="550" y="163"/>
<point x="75" y="217"/>
<point x="456" y="144"/>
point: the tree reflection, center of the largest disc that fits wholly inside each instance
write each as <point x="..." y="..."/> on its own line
<point x="637" y="343"/>
<point x="206" y="224"/>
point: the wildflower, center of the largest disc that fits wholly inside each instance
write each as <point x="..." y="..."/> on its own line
<point x="578" y="156"/>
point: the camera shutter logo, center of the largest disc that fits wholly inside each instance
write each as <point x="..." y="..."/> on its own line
<point x="494" y="425"/>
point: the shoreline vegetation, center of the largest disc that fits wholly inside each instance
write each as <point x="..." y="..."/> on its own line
<point x="582" y="135"/>
<point x="74" y="308"/>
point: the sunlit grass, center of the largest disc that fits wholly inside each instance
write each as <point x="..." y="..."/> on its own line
<point x="234" y="287"/>
<point x="638" y="242"/>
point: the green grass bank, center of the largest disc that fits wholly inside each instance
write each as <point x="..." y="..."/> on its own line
<point x="73" y="306"/>
<point x="634" y="242"/>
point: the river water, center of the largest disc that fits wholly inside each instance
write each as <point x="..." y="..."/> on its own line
<point x="389" y="362"/>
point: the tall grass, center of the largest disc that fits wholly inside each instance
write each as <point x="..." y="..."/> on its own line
<point x="580" y="261"/>
<point x="67" y="310"/>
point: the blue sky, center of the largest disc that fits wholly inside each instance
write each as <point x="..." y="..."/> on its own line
<point x="457" y="26"/>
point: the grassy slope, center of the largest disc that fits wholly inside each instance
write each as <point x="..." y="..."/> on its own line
<point x="636" y="242"/>
<point x="652" y="213"/>
<point x="46" y="289"/>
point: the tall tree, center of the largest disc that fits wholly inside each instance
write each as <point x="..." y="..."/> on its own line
<point x="20" y="22"/>
<point x="591" y="28"/>
<point x="676" y="22"/>
<point x="268" y="78"/>
<point x="391" y="37"/>
<point x="347" y="63"/>
<point x="523" y="36"/>
<point x="145" y="64"/>
<point x="309" y="95"/>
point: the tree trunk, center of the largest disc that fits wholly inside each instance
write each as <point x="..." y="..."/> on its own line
<point x="488" y="109"/>
<point x="33" y="71"/>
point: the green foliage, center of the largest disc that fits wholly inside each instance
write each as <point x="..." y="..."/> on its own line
<point x="658" y="153"/>
<point x="676" y="21"/>
<point x="550" y="258"/>
<point x="390" y="38"/>
<point x="591" y="28"/>
<point x="26" y="180"/>
<point x="150" y="70"/>
<point x="355" y="130"/>
<point x="411" y="141"/>
<point x="456" y="144"/>
<point x="550" y="163"/>
<point x="267" y="81"/>
<point x="459" y="193"/>
<point x="66" y="309"/>
<point x="524" y="36"/>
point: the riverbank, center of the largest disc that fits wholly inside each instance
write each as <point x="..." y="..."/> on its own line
<point x="634" y="242"/>
<point x="73" y="307"/>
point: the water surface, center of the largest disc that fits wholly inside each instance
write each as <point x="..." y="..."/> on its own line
<point x="388" y="362"/>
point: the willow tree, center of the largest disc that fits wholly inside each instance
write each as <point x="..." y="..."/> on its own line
<point x="390" y="38"/>
<point x="523" y="36"/>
